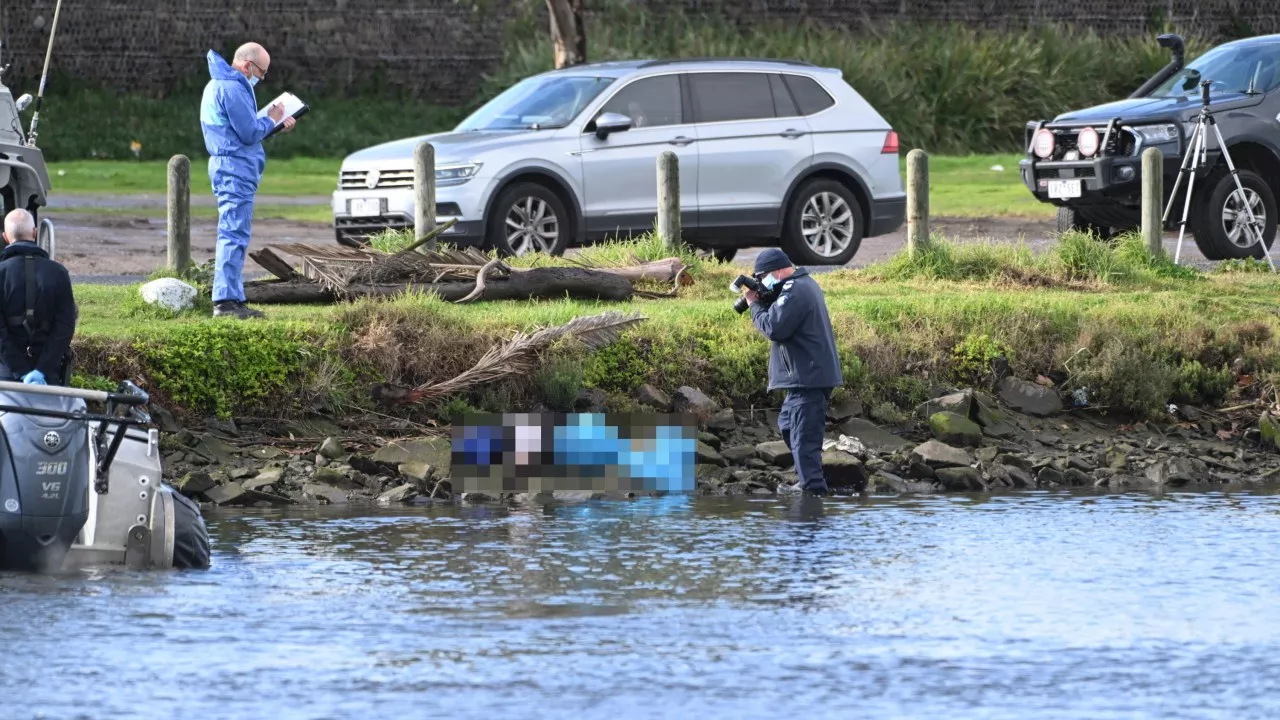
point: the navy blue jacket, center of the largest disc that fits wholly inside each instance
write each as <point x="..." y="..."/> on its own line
<point x="55" y="314"/>
<point x="804" y="351"/>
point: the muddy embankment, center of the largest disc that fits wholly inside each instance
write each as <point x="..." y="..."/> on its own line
<point x="1020" y="438"/>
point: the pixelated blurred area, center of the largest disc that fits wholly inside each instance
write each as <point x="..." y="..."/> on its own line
<point x="496" y="453"/>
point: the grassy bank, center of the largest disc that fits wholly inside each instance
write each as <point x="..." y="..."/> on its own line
<point x="969" y="186"/>
<point x="1135" y="333"/>
<point x="947" y="89"/>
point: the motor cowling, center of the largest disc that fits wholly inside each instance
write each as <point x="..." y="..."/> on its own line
<point x="44" y="481"/>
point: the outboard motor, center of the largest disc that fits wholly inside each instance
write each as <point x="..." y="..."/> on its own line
<point x="44" y="479"/>
<point x="80" y="489"/>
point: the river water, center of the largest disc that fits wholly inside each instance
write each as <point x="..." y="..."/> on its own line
<point x="1044" y="605"/>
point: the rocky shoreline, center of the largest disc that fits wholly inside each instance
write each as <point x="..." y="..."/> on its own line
<point x="964" y="441"/>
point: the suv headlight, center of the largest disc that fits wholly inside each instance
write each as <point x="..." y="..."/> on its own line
<point x="447" y="175"/>
<point x="1156" y="134"/>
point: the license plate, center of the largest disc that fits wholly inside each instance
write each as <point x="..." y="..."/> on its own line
<point x="1064" y="189"/>
<point x="368" y="207"/>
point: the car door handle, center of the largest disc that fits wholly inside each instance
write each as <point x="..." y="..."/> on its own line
<point x="680" y="140"/>
<point x="790" y="133"/>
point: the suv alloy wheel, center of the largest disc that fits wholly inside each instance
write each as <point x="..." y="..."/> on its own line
<point x="824" y="224"/>
<point x="528" y="217"/>
<point x="1218" y="220"/>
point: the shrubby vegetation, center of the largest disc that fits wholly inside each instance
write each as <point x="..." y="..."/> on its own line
<point x="949" y="89"/>
<point x="1136" y="333"/>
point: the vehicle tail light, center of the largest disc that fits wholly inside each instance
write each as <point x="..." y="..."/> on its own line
<point x="1087" y="142"/>
<point x="1043" y="144"/>
<point x="890" y="143"/>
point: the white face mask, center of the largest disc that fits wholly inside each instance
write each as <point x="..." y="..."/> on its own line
<point x="769" y="281"/>
<point x="253" y="80"/>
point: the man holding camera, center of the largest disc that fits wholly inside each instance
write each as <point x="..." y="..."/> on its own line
<point x="803" y="360"/>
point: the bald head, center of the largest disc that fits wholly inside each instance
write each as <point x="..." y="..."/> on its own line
<point x="251" y="59"/>
<point x="19" y="226"/>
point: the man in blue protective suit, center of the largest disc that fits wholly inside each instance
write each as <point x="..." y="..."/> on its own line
<point x="233" y="135"/>
<point x="803" y="359"/>
<point x="39" y="308"/>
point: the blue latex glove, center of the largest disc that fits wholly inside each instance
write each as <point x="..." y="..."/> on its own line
<point x="35" y="377"/>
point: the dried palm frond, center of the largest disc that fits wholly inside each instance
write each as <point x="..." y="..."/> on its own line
<point x="517" y="354"/>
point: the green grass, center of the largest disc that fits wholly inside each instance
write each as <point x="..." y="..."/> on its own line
<point x="1137" y="332"/>
<point x="959" y="187"/>
<point x="286" y="177"/>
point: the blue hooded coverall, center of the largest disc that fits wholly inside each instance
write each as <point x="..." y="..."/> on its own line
<point x="233" y="135"/>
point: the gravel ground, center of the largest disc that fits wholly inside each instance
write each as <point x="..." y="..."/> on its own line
<point x="122" y="248"/>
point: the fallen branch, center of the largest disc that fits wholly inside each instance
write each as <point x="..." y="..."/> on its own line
<point x="480" y="281"/>
<point x="550" y="282"/>
<point x="514" y="356"/>
<point x="274" y="264"/>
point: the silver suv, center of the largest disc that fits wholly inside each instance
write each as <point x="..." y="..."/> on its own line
<point x="769" y="151"/>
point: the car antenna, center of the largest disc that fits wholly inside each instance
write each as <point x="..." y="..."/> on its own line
<point x="44" y="76"/>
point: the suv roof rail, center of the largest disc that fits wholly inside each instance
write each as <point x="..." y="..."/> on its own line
<point x="769" y="61"/>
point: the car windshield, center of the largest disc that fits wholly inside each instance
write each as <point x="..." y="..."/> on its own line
<point x="1230" y="69"/>
<point x="537" y="103"/>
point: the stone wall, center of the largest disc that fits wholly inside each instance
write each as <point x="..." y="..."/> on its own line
<point x="436" y="49"/>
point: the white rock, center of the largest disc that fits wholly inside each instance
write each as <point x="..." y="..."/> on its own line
<point x="998" y="168"/>
<point x="169" y="293"/>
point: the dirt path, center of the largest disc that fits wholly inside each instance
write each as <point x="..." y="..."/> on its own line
<point x="122" y="248"/>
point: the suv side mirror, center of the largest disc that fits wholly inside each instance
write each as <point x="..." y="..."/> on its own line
<point x="609" y="123"/>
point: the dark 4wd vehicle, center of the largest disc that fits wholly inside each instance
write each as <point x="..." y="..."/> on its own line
<point x="1088" y="162"/>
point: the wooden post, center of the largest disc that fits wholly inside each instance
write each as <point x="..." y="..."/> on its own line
<point x="669" y="199"/>
<point x="179" y="213"/>
<point x="917" y="202"/>
<point x="1152" y="200"/>
<point x="424" y="184"/>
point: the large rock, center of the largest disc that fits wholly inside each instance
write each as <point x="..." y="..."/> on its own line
<point x="1269" y="430"/>
<point x="332" y="448"/>
<point x="872" y="435"/>
<point x="231" y="493"/>
<point x="267" y="477"/>
<point x="960" y="403"/>
<point x="775" y="453"/>
<point x="961" y="479"/>
<point x="169" y="293"/>
<point x="1028" y="397"/>
<point x="654" y="398"/>
<point x="436" y="452"/>
<point x="995" y="422"/>
<point x="954" y="429"/>
<point x="708" y="455"/>
<point x="215" y="450"/>
<point x="738" y="454"/>
<point x="723" y="420"/>
<point x="195" y="483"/>
<point x="937" y="454"/>
<point x="1177" y="471"/>
<point x="328" y="493"/>
<point x="401" y="494"/>
<point x="842" y="470"/>
<point x="694" y="402"/>
<point x="416" y="470"/>
<point x="843" y="409"/>
<point x="851" y="445"/>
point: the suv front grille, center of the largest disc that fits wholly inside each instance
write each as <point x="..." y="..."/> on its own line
<point x="1065" y="140"/>
<point x="359" y="179"/>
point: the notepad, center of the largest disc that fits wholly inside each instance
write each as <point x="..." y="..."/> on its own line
<point x="294" y="108"/>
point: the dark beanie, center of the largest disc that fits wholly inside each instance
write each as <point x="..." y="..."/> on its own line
<point x="771" y="259"/>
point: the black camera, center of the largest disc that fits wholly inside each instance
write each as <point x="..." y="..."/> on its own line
<point x="745" y="281"/>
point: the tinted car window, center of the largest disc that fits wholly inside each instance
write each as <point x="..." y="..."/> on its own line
<point x="809" y="94"/>
<point x="651" y="102"/>
<point x="783" y="104"/>
<point x="720" y="97"/>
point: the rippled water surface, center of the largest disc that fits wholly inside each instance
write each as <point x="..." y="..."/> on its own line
<point x="1046" y="606"/>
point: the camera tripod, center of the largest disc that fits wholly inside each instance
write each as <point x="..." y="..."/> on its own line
<point x="1196" y="160"/>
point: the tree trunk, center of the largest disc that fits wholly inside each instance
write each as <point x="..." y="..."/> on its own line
<point x="568" y="32"/>
<point x="552" y="282"/>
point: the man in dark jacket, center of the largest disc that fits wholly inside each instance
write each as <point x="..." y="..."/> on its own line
<point x="39" y="308"/>
<point x="803" y="360"/>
